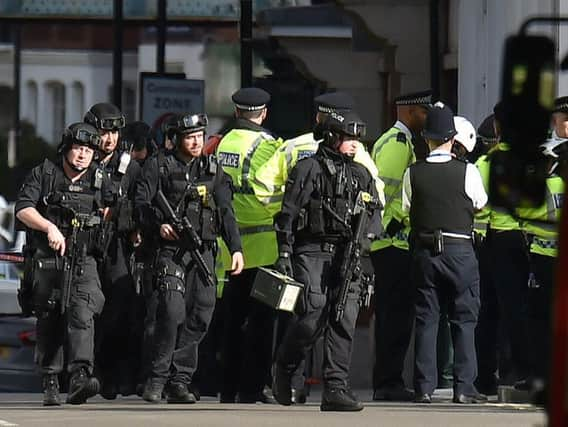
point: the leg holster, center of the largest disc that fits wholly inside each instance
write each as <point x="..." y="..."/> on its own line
<point x="170" y="277"/>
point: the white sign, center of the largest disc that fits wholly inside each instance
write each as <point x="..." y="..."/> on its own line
<point x="162" y="93"/>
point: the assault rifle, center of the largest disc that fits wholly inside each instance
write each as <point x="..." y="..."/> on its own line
<point x="73" y="251"/>
<point x="350" y="271"/>
<point x="190" y="240"/>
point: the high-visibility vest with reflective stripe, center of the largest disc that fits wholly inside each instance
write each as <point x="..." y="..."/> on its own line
<point x="542" y="222"/>
<point x="481" y="218"/>
<point x="241" y="152"/>
<point x="271" y="177"/>
<point x="500" y="219"/>
<point x="392" y="156"/>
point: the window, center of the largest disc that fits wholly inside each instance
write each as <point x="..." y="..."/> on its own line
<point x="55" y="102"/>
<point x="77" y="107"/>
<point x="31" y="99"/>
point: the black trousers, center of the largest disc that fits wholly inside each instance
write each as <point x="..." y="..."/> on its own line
<point x="182" y="319"/>
<point x="451" y="278"/>
<point x="510" y="270"/>
<point x="315" y="316"/>
<point x="246" y="353"/>
<point x="394" y="314"/>
<point x="488" y="334"/>
<point x="73" y="333"/>
<point x="119" y="333"/>
<point x="540" y="315"/>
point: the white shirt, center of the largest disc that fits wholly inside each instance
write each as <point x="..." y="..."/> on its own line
<point x="404" y="129"/>
<point x="473" y="183"/>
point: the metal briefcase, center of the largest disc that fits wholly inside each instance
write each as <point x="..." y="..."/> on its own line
<point x="276" y="289"/>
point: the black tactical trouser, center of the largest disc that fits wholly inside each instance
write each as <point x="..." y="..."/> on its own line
<point x="246" y="353"/>
<point x="315" y="316"/>
<point x="394" y="314"/>
<point x="183" y="313"/>
<point x="540" y="315"/>
<point x="74" y="331"/>
<point x="510" y="269"/>
<point x="119" y="334"/>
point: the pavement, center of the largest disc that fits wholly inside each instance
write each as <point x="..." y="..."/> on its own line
<point x="26" y="410"/>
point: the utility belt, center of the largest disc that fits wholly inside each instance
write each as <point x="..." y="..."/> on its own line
<point x="436" y="240"/>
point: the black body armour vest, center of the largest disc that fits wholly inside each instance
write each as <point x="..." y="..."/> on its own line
<point x="332" y="203"/>
<point x="439" y="200"/>
<point x="61" y="200"/>
<point x="189" y="189"/>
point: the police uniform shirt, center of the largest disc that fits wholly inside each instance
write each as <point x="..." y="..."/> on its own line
<point x="473" y="183"/>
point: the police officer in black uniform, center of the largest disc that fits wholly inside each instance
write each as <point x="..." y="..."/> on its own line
<point x="442" y="193"/>
<point x="315" y="223"/>
<point x="61" y="204"/>
<point x="118" y="354"/>
<point x="198" y="189"/>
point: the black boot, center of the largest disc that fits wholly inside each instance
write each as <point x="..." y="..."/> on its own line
<point x="178" y="393"/>
<point x="153" y="391"/>
<point x="281" y="385"/>
<point x="339" y="399"/>
<point x="51" y="390"/>
<point x="81" y="387"/>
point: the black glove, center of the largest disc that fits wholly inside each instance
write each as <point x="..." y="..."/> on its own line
<point x="394" y="227"/>
<point x="284" y="264"/>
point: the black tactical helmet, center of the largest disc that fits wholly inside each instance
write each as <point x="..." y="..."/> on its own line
<point x="79" y="133"/>
<point x="105" y="116"/>
<point x="187" y="123"/>
<point x="338" y="124"/>
<point x="137" y="135"/>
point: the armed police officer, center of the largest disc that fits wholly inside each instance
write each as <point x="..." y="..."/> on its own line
<point x="60" y="204"/>
<point x="186" y="198"/>
<point x="441" y="194"/>
<point x="118" y="354"/>
<point x="330" y="204"/>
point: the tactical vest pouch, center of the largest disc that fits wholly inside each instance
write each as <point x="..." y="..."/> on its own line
<point x="25" y="292"/>
<point x="209" y="226"/>
<point x="302" y="220"/>
<point x="316" y="217"/>
<point x="47" y="278"/>
<point x="341" y="210"/>
<point x="124" y="221"/>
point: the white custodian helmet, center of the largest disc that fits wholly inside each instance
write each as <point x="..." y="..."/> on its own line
<point x="466" y="135"/>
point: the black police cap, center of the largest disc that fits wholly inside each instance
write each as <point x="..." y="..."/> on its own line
<point x="251" y="98"/>
<point x="486" y="129"/>
<point x="561" y="104"/>
<point x="416" y="98"/>
<point x="439" y="123"/>
<point x="499" y="112"/>
<point x="334" y="101"/>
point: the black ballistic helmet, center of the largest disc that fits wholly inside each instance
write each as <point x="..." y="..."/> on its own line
<point x="79" y="133"/>
<point x="440" y="123"/>
<point x="137" y="135"/>
<point x="187" y="123"/>
<point x="338" y="124"/>
<point x="105" y="116"/>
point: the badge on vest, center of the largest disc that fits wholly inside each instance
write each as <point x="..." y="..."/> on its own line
<point x="230" y="160"/>
<point x="401" y="137"/>
<point x="558" y="201"/>
<point x="74" y="188"/>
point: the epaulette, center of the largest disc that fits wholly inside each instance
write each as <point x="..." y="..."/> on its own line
<point x="401" y="137"/>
